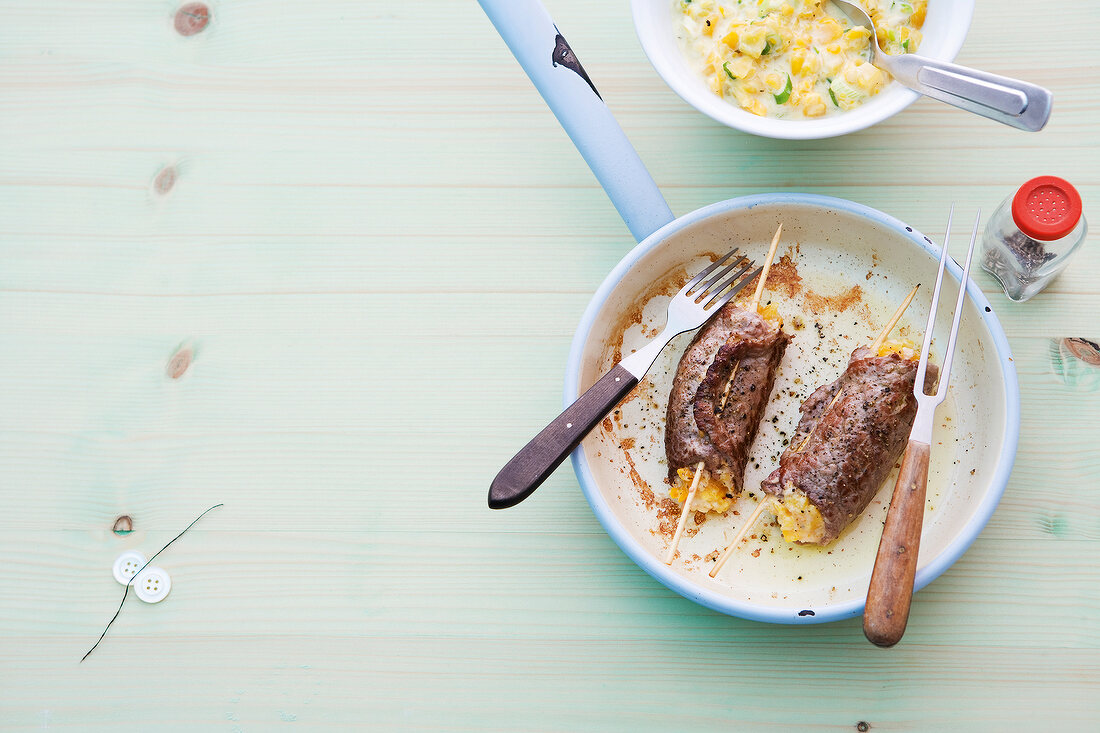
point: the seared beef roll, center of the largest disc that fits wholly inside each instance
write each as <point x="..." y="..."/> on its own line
<point x="845" y="447"/>
<point x="698" y="428"/>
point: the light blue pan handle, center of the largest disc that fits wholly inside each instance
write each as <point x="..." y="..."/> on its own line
<point x="561" y="80"/>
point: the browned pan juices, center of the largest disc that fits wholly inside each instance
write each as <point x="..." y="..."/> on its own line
<point x="828" y="313"/>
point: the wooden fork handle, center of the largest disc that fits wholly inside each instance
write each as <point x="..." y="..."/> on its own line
<point x="531" y="466"/>
<point x="891" y="589"/>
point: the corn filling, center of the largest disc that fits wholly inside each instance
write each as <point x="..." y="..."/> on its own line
<point x="710" y="496"/>
<point x="903" y="347"/>
<point x="798" y="518"/>
<point x="794" y="59"/>
<point x="771" y="314"/>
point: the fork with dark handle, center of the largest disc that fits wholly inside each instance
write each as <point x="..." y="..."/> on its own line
<point x="891" y="591"/>
<point x="689" y="309"/>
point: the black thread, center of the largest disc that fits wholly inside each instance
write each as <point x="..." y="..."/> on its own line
<point x="126" y="589"/>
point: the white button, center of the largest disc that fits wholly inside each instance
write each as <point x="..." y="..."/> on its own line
<point x="152" y="585"/>
<point x="127" y="564"/>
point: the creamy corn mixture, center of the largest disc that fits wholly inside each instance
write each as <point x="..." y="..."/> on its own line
<point x="799" y="519"/>
<point x="793" y="59"/>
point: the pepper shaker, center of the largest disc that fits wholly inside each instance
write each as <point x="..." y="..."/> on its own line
<point x="1032" y="235"/>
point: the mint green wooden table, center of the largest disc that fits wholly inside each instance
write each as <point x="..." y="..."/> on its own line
<point x="375" y="241"/>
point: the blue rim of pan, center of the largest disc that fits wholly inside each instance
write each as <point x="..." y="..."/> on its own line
<point x="717" y="601"/>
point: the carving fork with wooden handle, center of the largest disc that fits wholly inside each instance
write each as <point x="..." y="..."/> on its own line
<point x="891" y="589"/>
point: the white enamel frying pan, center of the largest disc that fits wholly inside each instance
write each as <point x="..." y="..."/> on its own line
<point x="859" y="261"/>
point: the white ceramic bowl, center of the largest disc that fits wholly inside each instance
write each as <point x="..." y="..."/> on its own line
<point x="840" y="245"/>
<point x="944" y="31"/>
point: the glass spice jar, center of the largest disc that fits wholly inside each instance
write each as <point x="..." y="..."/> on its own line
<point x="1032" y="235"/>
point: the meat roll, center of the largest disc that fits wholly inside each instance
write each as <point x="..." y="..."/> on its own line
<point x="752" y="361"/>
<point x="825" y="482"/>
<point x="697" y="427"/>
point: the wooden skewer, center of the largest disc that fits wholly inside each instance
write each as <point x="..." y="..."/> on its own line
<point x="754" y="305"/>
<point x="684" y="513"/>
<point x="875" y="346"/>
<point x="877" y="343"/>
<point x="749" y="523"/>
<point x="811" y="433"/>
<point x="729" y="383"/>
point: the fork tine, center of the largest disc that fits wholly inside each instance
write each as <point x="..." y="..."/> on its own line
<point x="706" y="289"/>
<point x="706" y="271"/>
<point x="922" y="365"/>
<point x="720" y="300"/>
<point x="945" y="374"/>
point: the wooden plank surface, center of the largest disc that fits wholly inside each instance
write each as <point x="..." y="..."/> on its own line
<point x="377" y="242"/>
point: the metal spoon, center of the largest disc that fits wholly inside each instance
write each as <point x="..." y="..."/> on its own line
<point x="1013" y="102"/>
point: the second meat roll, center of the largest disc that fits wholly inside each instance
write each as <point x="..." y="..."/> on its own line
<point x="851" y="433"/>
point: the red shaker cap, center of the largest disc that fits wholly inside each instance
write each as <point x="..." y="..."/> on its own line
<point x="1046" y="208"/>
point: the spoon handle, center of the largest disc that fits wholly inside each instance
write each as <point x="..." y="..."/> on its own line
<point x="1016" y="103"/>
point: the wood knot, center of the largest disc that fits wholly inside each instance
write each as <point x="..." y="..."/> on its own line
<point x="123" y="525"/>
<point x="164" y="181"/>
<point x="1083" y="349"/>
<point x="179" y="363"/>
<point x="192" y="18"/>
<point x="863" y="726"/>
<point x="900" y="550"/>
